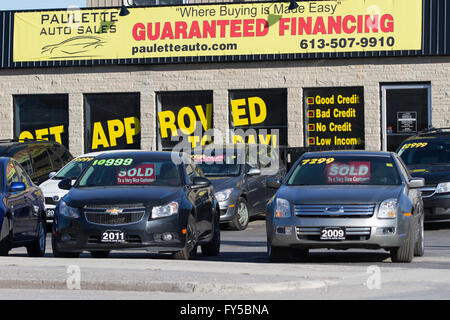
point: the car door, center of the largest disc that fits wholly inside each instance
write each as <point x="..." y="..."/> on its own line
<point x="20" y="209"/>
<point x="271" y="167"/>
<point x="32" y="202"/>
<point x="255" y="185"/>
<point x="200" y="197"/>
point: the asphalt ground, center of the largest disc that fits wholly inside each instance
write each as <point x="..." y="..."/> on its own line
<point x="241" y="271"/>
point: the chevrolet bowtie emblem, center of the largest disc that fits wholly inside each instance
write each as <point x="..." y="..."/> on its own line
<point x="114" y="211"/>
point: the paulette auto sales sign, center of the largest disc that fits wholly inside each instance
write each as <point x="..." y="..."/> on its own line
<point x="218" y="30"/>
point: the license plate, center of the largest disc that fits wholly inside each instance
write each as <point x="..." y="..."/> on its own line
<point x="332" y="233"/>
<point x="113" y="236"/>
<point x="50" y="212"/>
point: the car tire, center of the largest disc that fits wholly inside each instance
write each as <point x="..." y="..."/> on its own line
<point x="419" y="248"/>
<point x="5" y="237"/>
<point x="61" y="254"/>
<point x="278" y="254"/>
<point x="405" y="253"/>
<point x="190" y="247"/>
<point x="100" y="254"/>
<point x="300" y="254"/>
<point x="241" y="216"/>
<point x="212" y="249"/>
<point x="37" y="247"/>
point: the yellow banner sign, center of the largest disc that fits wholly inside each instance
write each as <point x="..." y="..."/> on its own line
<point x="219" y="30"/>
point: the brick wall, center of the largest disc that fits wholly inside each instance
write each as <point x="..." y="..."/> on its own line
<point x="221" y="77"/>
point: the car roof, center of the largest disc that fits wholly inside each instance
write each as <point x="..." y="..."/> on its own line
<point x="430" y="135"/>
<point x="349" y="153"/>
<point x="97" y="153"/>
<point x="139" y="153"/>
<point x="10" y="145"/>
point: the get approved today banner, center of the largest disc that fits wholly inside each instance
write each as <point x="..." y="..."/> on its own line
<point x="218" y="30"/>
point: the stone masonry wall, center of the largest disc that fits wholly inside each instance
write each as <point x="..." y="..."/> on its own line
<point x="221" y="77"/>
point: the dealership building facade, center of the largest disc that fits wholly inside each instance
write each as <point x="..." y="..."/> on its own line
<point x="364" y="76"/>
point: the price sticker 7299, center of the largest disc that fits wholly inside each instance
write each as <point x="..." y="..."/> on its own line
<point x="317" y="161"/>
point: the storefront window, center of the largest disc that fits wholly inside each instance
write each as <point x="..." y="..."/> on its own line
<point x="259" y="116"/>
<point x="42" y="117"/>
<point x="334" y="117"/>
<point x="182" y="115"/>
<point x="112" y="121"/>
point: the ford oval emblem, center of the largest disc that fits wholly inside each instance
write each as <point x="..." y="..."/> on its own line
<point x="334" y="210"/>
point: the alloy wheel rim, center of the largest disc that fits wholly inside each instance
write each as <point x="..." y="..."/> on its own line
<point x="243" y="213"/>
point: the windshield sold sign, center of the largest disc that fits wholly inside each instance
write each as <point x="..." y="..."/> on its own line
<point x="141" y="174"/>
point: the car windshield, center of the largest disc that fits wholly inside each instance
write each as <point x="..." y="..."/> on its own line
<point x="345" y="170"/>
<point x="74" y="168"/>
<point x="425" y="152"/>
<point x="220" y="164"/>
<point x="130" y="171"/>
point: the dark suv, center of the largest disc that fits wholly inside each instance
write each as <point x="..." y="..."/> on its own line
<point x="427" y="155"/>
<point x="37" y="157"/>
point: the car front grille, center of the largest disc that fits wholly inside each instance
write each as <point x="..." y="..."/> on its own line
<point x="335" y="210"/>
<point x="114" y="215"/>
<point x="428" y="191"/>
<point x="351" y="233"/>
<point x="49" y="200"/>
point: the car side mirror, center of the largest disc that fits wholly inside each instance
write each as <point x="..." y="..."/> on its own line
<point x="51" y="175"/>
<point x="65" y="184"/>
<point x="417" y="183"/>
<point x="17" y="186"/>
<point x="273" y="183"/>
<point x="200" y="182"/>
<point x="253" y="172"/>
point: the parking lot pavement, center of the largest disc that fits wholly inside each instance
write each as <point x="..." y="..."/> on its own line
<point x="241" y="271"/>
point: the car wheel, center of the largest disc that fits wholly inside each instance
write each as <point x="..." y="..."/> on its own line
<point x="300" y="254"/>
<point x="419" y="248"/>
<point x="241" y="217"/>
<point x="212" y="249"/>
<point x="61" y="254"/>
<point x="100" y="254"/>
<point x="37" y="248"/>
<point x="5" y="237"/>
<point x="405" y="253"/>
<point x="190" y="248"/>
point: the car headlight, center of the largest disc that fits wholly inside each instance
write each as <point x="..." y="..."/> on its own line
<point x="67" y="211"/>
<point x="282" y="209"/>
<point x="388" y="209"/>
<point x="443" y="187"/>
<point x="165" y="211"/>
<point x="223" y="195"/>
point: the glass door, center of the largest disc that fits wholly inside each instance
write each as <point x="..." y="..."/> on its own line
<point x="405" y="110"/>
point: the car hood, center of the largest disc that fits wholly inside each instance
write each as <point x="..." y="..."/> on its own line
<point x="222" y="183"/>
<point x="433" y="174"/>
<point x="50" y="188"/>
<point x="338" y="194"/>
<point x="79" y="197"/>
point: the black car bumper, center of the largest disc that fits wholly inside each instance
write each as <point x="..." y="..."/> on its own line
<point x="77" y="235"/>
<point x="437" y="207"/>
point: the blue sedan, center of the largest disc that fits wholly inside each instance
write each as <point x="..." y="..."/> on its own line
<point x="22" y="214"/>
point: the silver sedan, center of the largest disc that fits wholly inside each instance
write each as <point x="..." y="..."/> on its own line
<point x="343" y="200"/>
